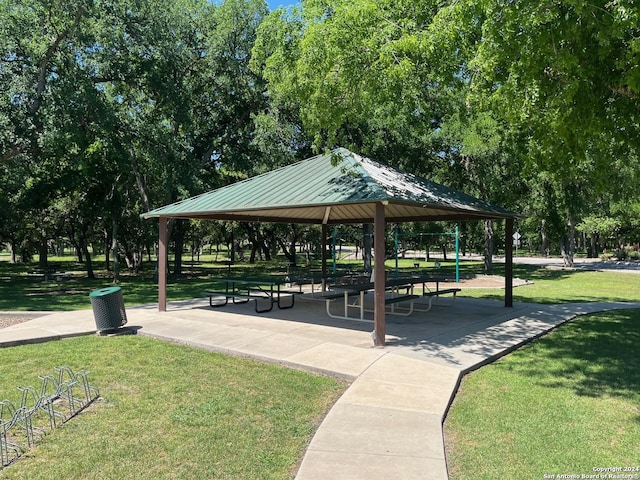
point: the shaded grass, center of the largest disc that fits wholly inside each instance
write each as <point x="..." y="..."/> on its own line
<point x="20" y="289"/>
<point x="564" y="404"/>
<point x="170" y="411"/>
<point x="23" y="289"/>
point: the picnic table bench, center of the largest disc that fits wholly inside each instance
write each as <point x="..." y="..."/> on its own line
<point x="427" y="292"/>
<point x="437" y="293"/>
<point x="358" y="290"/>
<point x="402" y="291"/>
<point x="337" y="280"/>
<point x="52" y="275"/>
<point x="260" y="290"/>
<point x="353" y="290"/>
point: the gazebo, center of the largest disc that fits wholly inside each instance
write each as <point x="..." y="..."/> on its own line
<point x="339" y="187"/>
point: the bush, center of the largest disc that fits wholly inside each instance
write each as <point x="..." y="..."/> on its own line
<point x="621" y="254"/>
<point x="627" y="253"/>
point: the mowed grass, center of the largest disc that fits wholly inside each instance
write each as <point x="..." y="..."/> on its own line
<point x="564" y="404"/>
<point x="22" y="289"/>
<point x="553" y="286"/>
<point x="169" y="411"/>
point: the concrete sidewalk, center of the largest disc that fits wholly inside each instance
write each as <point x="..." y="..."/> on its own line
<point x="388" y="424"/>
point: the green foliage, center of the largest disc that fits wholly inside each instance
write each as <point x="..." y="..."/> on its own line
<point x="111" y="108"/>
<point x="604" y="226"/>
<point x="626" y="253"/>
<point x="356" y="73"/>
<point x="558" y="73"/>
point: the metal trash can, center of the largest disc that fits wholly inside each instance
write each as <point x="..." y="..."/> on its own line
<point x="108" y="308"/>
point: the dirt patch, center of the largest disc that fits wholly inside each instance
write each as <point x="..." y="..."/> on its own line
<point x="483" y="281"/>
<point x="8" y="319"/>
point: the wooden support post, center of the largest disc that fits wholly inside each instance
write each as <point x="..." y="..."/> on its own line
<point x="162" y="264"/>
<point x="379" y="277"/>
<point x="508" y="263"/>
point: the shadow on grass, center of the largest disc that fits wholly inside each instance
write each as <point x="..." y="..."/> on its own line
<point x="24" y="287"/>
<point x="596" y="355"/>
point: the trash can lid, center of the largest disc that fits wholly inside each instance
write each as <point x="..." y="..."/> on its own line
<point x="104" y="291"/>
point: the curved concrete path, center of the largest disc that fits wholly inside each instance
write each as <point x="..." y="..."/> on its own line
<point x="388" y="423"/>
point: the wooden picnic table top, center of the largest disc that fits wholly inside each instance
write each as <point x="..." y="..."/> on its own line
<point x="389" y="283"/>
<point x="253" y="280"/>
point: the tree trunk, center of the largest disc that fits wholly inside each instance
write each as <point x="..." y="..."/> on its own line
<point x="232" y="249"/>
<point x="114" y="249"/>
<point x="107" y="250"/>
<point x="292" y="253"/>
<point x="544" y="239"/>
<point x="568" y="245"/>
<point x="58" y="248"/>
<point x="252" y="254"/>
<point x="463" y="240"/>
<point x="43" y="252"/>
<point x="367" y="246"/>
<point x="88" y="263"/>
<point x="76" y="246"/>
<point x="488" y="245"/>
<point x="179" y="245"/>
<point x="291" y="256"/>
<point x="79" y="252"/>
<point x="255" y="239"/>
<point x="266" y="251"/>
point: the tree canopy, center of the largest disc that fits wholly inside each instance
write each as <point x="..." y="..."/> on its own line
<point x="533" y="96"/>
<point x="109" y="108"/>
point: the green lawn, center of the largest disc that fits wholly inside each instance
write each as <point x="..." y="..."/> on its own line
<point x="562" y="405"/>
<point x="562" y="286"/>
<point x="169" y="411"/>
<point x="21" y="289"/>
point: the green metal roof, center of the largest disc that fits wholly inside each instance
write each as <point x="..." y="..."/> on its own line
<point x="339" y="187"/>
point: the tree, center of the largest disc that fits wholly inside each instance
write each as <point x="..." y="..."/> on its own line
<point x="600" y="229"/>
<point x="370" y="76"/>
<point x="187" y="121"/>
<point x="114" y="107"/>
<point x="357" y="74"/>
<point x="565" y="75"/>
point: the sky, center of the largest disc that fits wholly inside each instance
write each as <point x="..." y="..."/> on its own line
<point x="273" y="4"/>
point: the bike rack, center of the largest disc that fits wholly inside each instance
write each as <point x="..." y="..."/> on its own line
<point x="61" y="397"/>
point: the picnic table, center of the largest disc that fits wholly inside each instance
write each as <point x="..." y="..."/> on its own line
<point x="402" y="291"/>
<point x="261" y="290"/>
<point x="52" y="275"/>
<point x="428" y="292"/>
